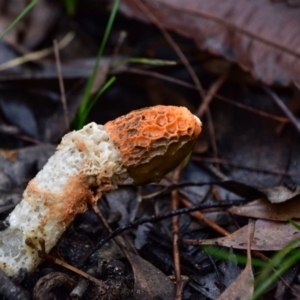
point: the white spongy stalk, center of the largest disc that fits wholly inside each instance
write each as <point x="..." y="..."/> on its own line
<point x="86" y="165"/>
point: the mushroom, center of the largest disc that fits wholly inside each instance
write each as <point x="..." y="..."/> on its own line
<point x="141" y="146"/>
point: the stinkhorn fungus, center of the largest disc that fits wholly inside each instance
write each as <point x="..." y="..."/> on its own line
<point x="141" y="146"/>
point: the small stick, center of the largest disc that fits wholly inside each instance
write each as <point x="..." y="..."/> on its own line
<point x="43" y="254"/>
<point x="283" y="107"/>
<point x="212" y="136"/>
<point x="236" y="165"/>
<point x="145" y="9"/>
<point x="61" y="85"/>
<point x="250" y="237"/>
<point x="204" y="108"/>
<point x="217" y="96"/>
<point x="213" y="89"/>
<point x="176" y="230"/>
<point x="201" y="217"/>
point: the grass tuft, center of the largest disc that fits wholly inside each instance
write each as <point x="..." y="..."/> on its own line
<point x="86" y="106"/>
<point x="270" y="270"/>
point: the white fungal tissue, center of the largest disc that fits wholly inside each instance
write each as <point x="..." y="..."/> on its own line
<point x="85" y="165"/>
<point x="141" y="146"/>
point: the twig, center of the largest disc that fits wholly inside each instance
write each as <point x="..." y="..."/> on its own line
<point x="155" y="219"/>
<point x="283" y="107"/>
<point x="251" y="230"/>
<point x="213" y="89"/>
<point x="37" y="54"/>
<point x="45" y="255"/>
<point x="121" y="38"/>
<point x="293" y="105"/>
<point x="61" y="85"/>
<point x="204" y="108"/>
<point x="145" y="9"/>
<point x="212" y="136"/>
<point x="218" y="97"/>
<point x="176" y="230"/>
<point x="117" y="239"/>
<point x="16" y="132"/>
<point x="201" y="217"/>
<point x="236" y="165"/>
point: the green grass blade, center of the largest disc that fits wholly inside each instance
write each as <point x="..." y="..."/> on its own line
<point x="271" y="270"/>
<point x="19" y="17"/>
<point x="268" y="281"/>
<point x="85" y="102"/>
<point x="96" y="97"/>
<point x="241" y="259"/>
<point x="297" y="226"/>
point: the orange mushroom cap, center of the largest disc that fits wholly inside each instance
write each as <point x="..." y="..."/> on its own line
<point x="153" y="141"/>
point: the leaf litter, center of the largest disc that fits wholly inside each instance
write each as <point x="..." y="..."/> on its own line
<point x="268" y="236"/>
<point x="241" y="32"/>
<point x="269" y="147"/>
<point x="243" y="286"/>
<point x="263" y="209"/>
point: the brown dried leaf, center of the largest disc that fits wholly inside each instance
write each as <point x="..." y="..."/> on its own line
<point x="268" y="236"/>
<point x="278" y="194"/>
<point x="263" y="209"/>
<point x="149" y="282"/>
<point x="243" y="286"/>
<point x="261" y="36"/>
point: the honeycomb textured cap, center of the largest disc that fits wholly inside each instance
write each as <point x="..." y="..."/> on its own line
<point x="153" y="141"/>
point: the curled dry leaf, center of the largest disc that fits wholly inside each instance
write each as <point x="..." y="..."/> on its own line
<point x="261" y="36"/>
<point x="268" y="236"/>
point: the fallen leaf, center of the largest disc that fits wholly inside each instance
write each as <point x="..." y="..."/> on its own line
<point x="276" y="194"/>
<point x="205" y="285"/>
<point x="268" y="236"/>
<point x="243" y="32"/>
<point x="243" y="286"/>
<point x="263" y="209"/>
<point x="280" y="193"/>
<point x="149" y="282"/>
